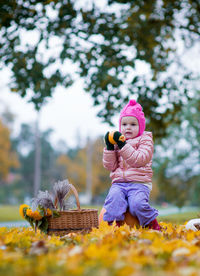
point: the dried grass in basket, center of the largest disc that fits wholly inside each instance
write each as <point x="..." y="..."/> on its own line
<point x="79" y="220"/>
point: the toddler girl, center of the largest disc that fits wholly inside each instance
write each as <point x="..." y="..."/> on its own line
<point x="129" y="162"/>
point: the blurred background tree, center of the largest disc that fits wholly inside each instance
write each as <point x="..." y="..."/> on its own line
<point x="123" y="49"/>
<point x="17" y="174"/>
<point x="75" y="168"/>
<point x="9" y="160"/>
<point x="8" y="157"/>
<point x="18" y="183"/>
<point x="177" y="158"/>
<point x="176" y="164"/>
<point x="24" y="144"/>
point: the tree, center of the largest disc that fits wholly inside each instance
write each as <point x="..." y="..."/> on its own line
<point x="8" y="157"/>
<point x="106" y="45"/>
<point x="24" y="144"/>
<point x="100" y="176"/>
<point x="177" y="159"/>
<point x="74" y="168"/>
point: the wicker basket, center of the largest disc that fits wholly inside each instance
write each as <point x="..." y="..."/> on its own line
<point x="79" y="220"/>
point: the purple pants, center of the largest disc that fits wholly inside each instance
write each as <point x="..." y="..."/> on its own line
<point x="135" y="197"/>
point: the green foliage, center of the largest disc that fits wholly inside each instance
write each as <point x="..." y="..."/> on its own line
<point x="177" y="158"/>
<point x="55" y="214"/>
<point x="106" y="45"/>
<point x="29" y="70"/>
<point x="24" y="144"/>
<point x="30" y="220"/>
<point x="41" y="224"/>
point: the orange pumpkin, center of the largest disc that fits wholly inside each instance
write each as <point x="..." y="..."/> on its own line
<point x="128" y="219"/>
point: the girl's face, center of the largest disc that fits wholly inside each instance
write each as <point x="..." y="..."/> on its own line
<point x="129" y="127"/>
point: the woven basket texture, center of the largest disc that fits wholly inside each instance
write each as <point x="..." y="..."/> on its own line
<point x="81" y="220"/>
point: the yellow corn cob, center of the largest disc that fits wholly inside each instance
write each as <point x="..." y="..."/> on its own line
<point x="112" y="141"/>
<point x="110" y="137"/>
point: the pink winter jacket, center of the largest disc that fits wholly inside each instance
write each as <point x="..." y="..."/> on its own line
<point x="133" y="162"/>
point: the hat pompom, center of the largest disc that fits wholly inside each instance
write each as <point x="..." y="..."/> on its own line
<point x="132" y="102"/>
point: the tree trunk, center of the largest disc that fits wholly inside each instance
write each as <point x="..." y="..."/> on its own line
<point x="89" y="171"/>
<point x="37" y="170"/>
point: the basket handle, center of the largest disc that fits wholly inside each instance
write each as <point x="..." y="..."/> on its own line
<point x="76" y="196"/>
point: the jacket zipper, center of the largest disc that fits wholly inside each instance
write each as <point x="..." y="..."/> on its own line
<point x="124" y="169"/>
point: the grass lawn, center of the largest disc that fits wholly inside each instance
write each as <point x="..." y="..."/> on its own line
<point x="179" y="218"/>
<point x="11" y="213"/>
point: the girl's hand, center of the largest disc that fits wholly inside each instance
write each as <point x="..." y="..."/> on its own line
<point x="109" y="145"/>
<point x="119" y="139"/>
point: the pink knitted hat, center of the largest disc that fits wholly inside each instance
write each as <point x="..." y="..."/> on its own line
<point x="133" y="109"/>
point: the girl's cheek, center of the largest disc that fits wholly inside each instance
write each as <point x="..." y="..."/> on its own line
<point x="136" y="131"/>
<point x="122" y="129"/>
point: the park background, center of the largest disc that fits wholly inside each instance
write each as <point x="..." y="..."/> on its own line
<point x="68" y="67"/>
